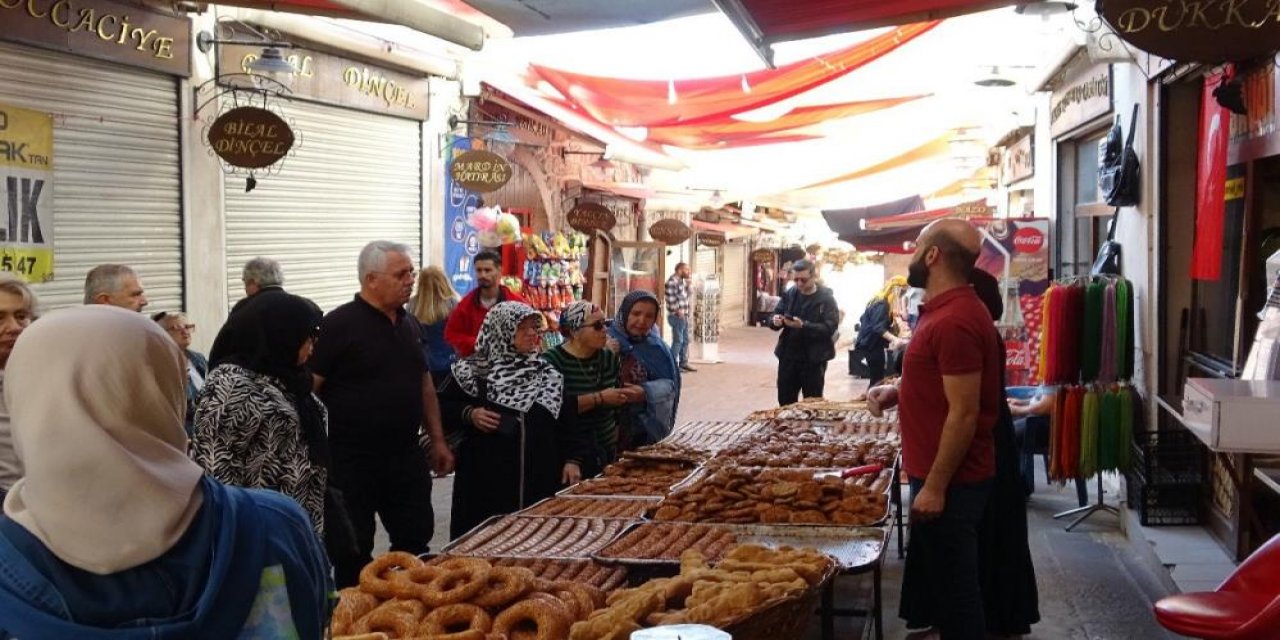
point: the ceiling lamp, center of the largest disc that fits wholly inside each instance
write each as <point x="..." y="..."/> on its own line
<point x="500" y="141"/>
<point x="994" y="80"/>
<point x="269" y="63"/>
<point x="1045" y="8"/>
<point x="716" y="200"/>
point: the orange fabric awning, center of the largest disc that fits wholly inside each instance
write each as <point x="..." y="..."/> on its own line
<point x="936" y="147"/>
<point x="650" y="103"/>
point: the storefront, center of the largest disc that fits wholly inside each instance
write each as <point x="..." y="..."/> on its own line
<point x="356" y="173"/>
<point x="110" y="93"/>
<point x="722" y="249"/>
<point x="1017" y="169"/>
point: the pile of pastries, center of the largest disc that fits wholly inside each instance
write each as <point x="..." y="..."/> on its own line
<point x="743" y="495"/>
<point x="626" y="508"/>
<point x="460" y="599"/>
<point x="539" y="537"/>
<point x="668" y="540"/>
<point x="750" y="579"/>
<point x="809" y="447"/>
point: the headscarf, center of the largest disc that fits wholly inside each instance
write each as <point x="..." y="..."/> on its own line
<point x="97" y="395"/>
<point x="509" y="378"/>
<point x="988" y="289"/>
<point x="649" y="349"/>
<point x="890" y="287"/>
<point x="272" y="330"/>
<point x="575" y="315"/>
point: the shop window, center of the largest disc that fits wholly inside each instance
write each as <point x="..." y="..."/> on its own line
<point x="1082" y="218"/>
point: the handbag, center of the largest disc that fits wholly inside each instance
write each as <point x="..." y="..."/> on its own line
<point x="1119" y="171"/>
<point x="1109" y="254"/>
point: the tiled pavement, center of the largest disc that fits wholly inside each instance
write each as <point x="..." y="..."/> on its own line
<point x="1095" y="583"/>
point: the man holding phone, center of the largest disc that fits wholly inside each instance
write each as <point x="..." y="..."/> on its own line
<point x="808" y="317"/>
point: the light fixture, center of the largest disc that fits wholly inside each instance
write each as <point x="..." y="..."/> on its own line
<point x="270" y="62"/>
<point x="994" y="80"/>
<point x="499" y="140"/>
<point x="602" y="163"/>
<point x="1045" y="8"/>
<point x="716" y="199"/>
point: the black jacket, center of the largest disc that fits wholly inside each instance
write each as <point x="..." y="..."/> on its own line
<point x="815" y="341"/>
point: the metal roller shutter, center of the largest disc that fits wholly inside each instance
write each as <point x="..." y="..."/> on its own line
<point x="117" y="192"/>
<point x="734" y="298"/>
<point x="706" y="262"/>
<point x="356" y="177"/>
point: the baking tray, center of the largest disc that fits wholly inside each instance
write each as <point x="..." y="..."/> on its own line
<point x="854" y="548"/>
<point x="571" y="491"/>
<point x="604" y="556"/>
<point x="638" y="504"/>
<point x="699" y="475"/>
<point x="605" y="576"/>
<point x="533" y="540"/>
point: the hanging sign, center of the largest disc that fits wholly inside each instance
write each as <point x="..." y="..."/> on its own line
<point x="102" y="29"/>
<point x="250" y="137"/>
<point x="588" y="217"/>
<point x="26" y="193"/>
<point x="1083" y="96"/>
<point x="1209" y="31"/>
<point x="480" y="171"/>
<point x="670" y="231"/>
<point x="762" y="256"/>
<point x="711" y="238"/>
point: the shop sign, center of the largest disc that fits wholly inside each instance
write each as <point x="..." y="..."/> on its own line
<point x="670" y="231"/>
<point x="480" y="171"/>
<point x="974" y="210"/>
<point x="26" y="193"/>
<point x="101" y="29"/>
<point x="588" y="217"/>
<point x="334" y="80"/>
<point x="1084" y="96"/>
<point x="1209" y="31"/>
<point x="1019" y="161"/>
<point x="250" y="137"/>
<point x="763" y="256"/>
<point x="711" y="238"/>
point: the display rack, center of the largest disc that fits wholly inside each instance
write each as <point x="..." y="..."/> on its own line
<point x="705" y="332"/>
<point x="553" y="276"/>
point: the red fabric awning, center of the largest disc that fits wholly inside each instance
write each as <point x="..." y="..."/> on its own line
<point x="645" y="103"/>
<point x="916" y="220"/>
<point x="714" y="135"/>
<point x="784" y="20"/>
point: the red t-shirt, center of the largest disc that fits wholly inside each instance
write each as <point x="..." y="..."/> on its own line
<point x="955" y="336"/>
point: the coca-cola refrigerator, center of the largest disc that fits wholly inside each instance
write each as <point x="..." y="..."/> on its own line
<point x="1016" y="252"/>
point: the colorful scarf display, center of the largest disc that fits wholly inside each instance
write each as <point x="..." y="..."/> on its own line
<point x="1091" y="430"/>
<point x="1087" y="333"/>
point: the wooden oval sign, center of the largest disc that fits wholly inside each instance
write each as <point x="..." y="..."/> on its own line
<point x="1210" y="31"/>
<point x="711" y="238"/>
<point x="762" y="256"/>
<point x="481" y="171"/>
<point x="250" y="137"/>
<point x="589" y="216"/>
<point x="670" y="232"/>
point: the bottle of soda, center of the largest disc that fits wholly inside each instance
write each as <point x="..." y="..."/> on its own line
<point x="1014" y="332"/>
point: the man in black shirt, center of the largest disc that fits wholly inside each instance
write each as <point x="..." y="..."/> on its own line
<point x="370" y="372"/>
<point x="808" y="317"/>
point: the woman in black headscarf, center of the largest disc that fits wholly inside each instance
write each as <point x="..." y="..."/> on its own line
<point x="257" y="424"/>
<point x="1009" y="598"/>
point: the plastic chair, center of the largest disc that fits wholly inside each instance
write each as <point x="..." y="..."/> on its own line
<point x="1245" y="607"/>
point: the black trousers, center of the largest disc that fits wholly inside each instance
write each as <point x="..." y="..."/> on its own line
<point x="395" y="485"/>
<point x="872" y="360"/>
<point x="940" y="581"/>
<point x="795" y="376"/>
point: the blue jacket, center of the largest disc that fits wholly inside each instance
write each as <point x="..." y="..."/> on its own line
<point x="248" y="566"/>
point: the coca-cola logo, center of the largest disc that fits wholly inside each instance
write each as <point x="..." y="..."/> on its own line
<point x="1015" y="355"/>
<point x="1028" y="240"/>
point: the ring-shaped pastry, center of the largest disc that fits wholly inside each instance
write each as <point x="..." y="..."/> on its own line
<point x="535" y="618"/>
<point x="376" y="577"/>
<point x="453" y="586"/>
<point x="452" y="620"/>
<point x="504" y="586"/>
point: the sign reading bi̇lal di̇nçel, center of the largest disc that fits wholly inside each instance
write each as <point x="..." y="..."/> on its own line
<point x="26" y="193"/>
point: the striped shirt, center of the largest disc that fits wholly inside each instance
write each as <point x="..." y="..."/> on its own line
<point x="587" y="376"/>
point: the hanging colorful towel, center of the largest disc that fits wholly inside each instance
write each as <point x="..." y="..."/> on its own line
<point x="1091" y="335"/>
<point x="1109" y="431"/>
<point x="1055" y="433"/>
<point x="1089" y="435"/>
<point x="1128" y="417"/>
<point x="1130" y="353"/>
<point x="1107" y="350"/>
<point x="1046" y="308"/>
<point x="1073" y="314"/>
<point x="1071" y="434"/>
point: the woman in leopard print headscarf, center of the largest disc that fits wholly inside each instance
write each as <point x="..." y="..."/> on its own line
<point x="522" y="441"/>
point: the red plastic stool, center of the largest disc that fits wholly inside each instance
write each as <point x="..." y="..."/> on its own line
<point x="1245" y="607"/>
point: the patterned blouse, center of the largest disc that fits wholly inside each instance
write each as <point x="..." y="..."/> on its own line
<point x="248" y="434"/>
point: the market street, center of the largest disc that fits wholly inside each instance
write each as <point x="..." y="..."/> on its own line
<point x="1094" y="583"/>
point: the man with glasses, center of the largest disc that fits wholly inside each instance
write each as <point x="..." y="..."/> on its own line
<point x="372" y="376"/>
<point x="808" y="317"/>
<point x="180" y="329"/>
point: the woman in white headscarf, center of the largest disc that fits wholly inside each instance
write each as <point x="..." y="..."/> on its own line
<point x="113" y="532"/>
<point x="522" y="440"/>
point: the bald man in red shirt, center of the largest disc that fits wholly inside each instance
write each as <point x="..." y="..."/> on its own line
<point x="949" y="398"/>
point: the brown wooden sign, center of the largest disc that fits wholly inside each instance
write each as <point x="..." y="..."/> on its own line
<point x="763" y="256"/>
<point x="589" y="216"/>
<point x="481" y="171"/>
<point x="670" y="232"/>
<point x="101" y="29"/>
<point x="711" y="238"/>
<point x="330" y="79"/>
<point x="1209" y="31"/>
<point x="250" y="137"/>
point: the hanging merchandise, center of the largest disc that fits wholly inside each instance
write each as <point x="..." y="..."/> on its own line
<point x="706" y="312"/>
<point x="553" y="268"/>
<point x="1088" y="333"/>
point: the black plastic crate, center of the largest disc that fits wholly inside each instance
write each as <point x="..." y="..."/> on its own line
<point x="1168" y="478"/>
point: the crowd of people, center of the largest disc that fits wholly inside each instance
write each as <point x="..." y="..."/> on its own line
<point x="301" y="428"/>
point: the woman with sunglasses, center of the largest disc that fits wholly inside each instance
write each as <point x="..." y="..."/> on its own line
<point x="257" y="424"/>
<point x="591" y="372"/>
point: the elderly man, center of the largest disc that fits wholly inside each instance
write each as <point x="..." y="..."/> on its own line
<point x="260" y="275"/>
<point x="17" y="310"/>
<point x="950" y="399"/>
<point x="372" y="376"/>
<point x="116" y="285"/>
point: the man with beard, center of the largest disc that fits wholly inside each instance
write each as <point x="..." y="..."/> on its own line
<point x="949" y="399"/>
<point x="808" y="317"/>
<point x="465" y="320"/>
<point x="372" y="376"/>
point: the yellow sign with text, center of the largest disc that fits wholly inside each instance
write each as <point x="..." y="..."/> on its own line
<point x="1235" y="189"/>
<point x="26" y="193"/>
